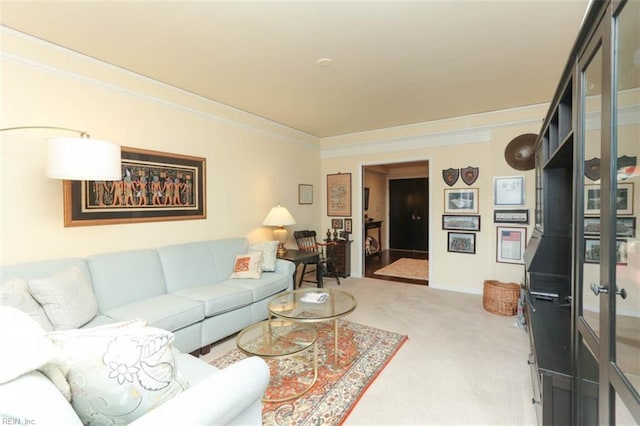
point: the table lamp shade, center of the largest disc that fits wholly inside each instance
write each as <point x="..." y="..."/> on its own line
<point x="279" y="216"/>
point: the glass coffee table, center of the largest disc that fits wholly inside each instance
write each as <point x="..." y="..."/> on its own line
<point x="282" y="341"/>
<point x="294" y="305"/>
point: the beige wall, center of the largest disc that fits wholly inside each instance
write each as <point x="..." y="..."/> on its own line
<point x="252" y="164"/>
<point x="477" y="141"/>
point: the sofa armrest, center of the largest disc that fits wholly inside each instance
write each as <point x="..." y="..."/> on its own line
<point x="287" y="269"/>
<point x="216" y="400"/>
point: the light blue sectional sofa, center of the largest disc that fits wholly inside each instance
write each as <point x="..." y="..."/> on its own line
<point x="182" y="288"/>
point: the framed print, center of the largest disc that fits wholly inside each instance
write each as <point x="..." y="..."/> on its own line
<point x="461" y="200"/>
<point x="625" y="226"/>
<point x="511" y="216"/>
<point x="366" y="199"/>
<point x="461" y="222"/>
<point x="339" y="194"/>
<point x="461" y="242"/>
<point x="592" y="251"/>
<point x="155" y="186"/>
<point x="305" y="194"/>
<point x="624" y="199"/>
<point x="508" y="191"/>
<point x="336" y="223"/>
<point x="511" y="244"/>
<point x="348" y="225"/>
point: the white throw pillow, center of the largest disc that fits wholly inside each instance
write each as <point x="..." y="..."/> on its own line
<point x="66" y="297"/>
<point x="269" y="250"/>
<point x="15" y="293"/>
<point x="247" y="266"/>
<point x="118" y="374"/>
<point x="24" y="345"/>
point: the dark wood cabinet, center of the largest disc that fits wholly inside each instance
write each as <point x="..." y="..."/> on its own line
<point x="341" y="252"/>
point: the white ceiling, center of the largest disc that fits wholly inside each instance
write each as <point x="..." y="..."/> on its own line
<point x="394" y="62"/>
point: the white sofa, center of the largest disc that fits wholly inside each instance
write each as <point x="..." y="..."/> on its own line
<point x="186" y="289"/>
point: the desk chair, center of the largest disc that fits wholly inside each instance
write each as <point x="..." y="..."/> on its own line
<point x="306" y="241"/>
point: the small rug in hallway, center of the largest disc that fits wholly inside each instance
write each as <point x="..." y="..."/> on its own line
<point x="337" y="390"/>
<point x="415" y="269"/>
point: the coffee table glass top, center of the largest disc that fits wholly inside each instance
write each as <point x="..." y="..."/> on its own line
<point x="276" y="338"/>
<point x="292" y="305"/>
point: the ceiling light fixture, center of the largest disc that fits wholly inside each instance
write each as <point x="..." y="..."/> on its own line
<point x="325" y="62"/>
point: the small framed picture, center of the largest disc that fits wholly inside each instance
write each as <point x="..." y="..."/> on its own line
<point x="624" y="199"/>
<point x="511" y="216"/>
<point x="511" y="244"/>
<point x="347" y="226"/>
<point x="626" y="227"/>
<point x="305" y="194"/>
<point x="461" y="200"/>
<point x="336" y="223"/>
<point x="592" y="251"/>
<point x="508" y="191"/>
<point x="461" y="242"/>
<point x="592" y="225"/>
<point x="461" y="222"/>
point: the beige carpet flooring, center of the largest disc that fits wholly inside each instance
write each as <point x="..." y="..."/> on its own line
<point x="460" y="366"/>
<point x="416" y="269"/>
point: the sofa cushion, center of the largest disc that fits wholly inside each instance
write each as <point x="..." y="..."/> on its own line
<point x="168" y="311"/>
<point x="15" y="293"/>
<point x="247" y="266"/>
<point x="126" y="277"/>
<point x="66" y="297"/>
<point x="219" y="298"/>
<point x="117" y="374"/>
<point x="188" y="265"/>
<point x="269" y="284"/>
<point x="24" y="345"/>
<point x="269" y="250"/>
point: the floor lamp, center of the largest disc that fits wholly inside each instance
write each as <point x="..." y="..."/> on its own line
<point x="79" y="158"/>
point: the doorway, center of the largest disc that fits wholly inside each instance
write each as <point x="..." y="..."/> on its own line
<point x="397" y="203"/>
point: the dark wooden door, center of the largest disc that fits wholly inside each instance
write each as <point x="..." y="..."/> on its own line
<point x="409" y="214"/>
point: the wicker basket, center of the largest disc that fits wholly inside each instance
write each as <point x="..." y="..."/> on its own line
<point x="500" y="298"/>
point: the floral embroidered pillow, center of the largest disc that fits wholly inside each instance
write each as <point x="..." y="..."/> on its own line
<point x="247" y="266"/>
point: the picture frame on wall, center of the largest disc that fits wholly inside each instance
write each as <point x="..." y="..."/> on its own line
<point x="461" y="242"/>
<point x="508" y="191"/>
<point x="624" y="199"/>
<point x="336" y="223"/>
<point x="155" y="186"/>
<point x="348" y="225"/>
<point x="461" y="200"/>
<point x="305" y="194"/>
<point x="461" y="222"/>
<point x="592" y="251"/>
<point x="625" y="226"/>
<point x="511" y="216"/>
<point x="339" y="194"/>
<point x="511" y="243"/>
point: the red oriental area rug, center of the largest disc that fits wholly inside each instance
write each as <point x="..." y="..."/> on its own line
<point x="337" y="390"/>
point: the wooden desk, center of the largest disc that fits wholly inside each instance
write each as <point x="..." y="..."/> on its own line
<point x="299" y="257"/>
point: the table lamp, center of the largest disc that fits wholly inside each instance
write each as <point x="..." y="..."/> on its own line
<point x="279" y="216"/>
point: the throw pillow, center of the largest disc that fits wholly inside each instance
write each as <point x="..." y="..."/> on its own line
<point x="118" y="374"/>
<point x="15" y="293"/>
<point x="269" y="250"/>
<point x="24" y="345"/>
<point x="247" y="266"/>
<point x="67" y="298"/>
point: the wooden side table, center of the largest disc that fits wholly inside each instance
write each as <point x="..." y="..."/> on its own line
<point x="299" y="257"/>
<point x="341" y="252"/>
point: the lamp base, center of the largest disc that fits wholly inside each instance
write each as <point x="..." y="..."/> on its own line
<point x="280" y="234"/>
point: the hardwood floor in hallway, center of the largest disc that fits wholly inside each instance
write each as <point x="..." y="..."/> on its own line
<point x="373" y="263"/>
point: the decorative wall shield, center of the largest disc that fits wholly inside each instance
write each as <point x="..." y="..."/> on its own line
<point x="450" y="176"/>
<point x="626" y="166"/>
<point x="592" y="168"/>
<point x="469" y="175"/>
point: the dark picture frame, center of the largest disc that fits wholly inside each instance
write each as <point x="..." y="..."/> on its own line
<point x="519" y="216"/>
<point x="339" y="194"/>
<point x="625" y="226"/>
<point x="348" y="226"/>
<point x="155" y="186"/>
<point x="461" y="242"/>
<point x="461" y="222"/>
<point x="336" y="223"/>
<point x="592" y="251"/>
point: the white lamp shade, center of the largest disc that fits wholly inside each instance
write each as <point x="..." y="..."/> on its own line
<point x="83" y="159"/>
<point x="279" y="216"/>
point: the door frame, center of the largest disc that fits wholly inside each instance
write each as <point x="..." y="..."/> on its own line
<point x="358" y="219"/>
